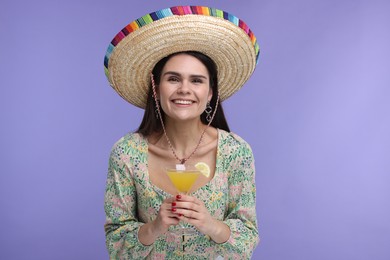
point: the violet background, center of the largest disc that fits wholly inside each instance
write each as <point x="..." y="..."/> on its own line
<point x="316" y="113"/>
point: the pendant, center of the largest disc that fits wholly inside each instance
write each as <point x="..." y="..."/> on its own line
<point x="180" y="167"/>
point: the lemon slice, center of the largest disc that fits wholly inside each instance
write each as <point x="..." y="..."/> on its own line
<point x="203" y="168"/>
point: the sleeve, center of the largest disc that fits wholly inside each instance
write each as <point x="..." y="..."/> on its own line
<point x="122" y="226"/>
<point x="241" y="217"/>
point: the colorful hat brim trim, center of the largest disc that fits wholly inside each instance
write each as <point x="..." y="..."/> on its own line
<point x="178" y="10"/>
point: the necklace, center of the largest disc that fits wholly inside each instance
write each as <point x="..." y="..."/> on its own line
<point x="182" y="160"/>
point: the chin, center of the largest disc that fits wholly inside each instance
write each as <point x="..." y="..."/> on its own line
<point x="183" y="118"/>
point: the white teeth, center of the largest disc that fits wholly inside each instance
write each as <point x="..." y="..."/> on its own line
<point x="183" y="102"/>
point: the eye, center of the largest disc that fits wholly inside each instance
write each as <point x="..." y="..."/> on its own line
<point x="173" y="79"/>
<point x="197" y="80"/>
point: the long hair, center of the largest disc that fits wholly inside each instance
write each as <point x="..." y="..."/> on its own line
<point x="151" y="124"/>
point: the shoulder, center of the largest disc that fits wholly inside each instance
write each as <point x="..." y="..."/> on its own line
<point x="129" y="143"/>
<point x="233" y="142"/>
<point x="236" y="155"/>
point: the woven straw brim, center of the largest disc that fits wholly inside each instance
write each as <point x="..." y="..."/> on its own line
<point x="132" y="60"/>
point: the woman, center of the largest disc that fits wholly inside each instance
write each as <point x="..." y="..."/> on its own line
<point x="180" y="83"/>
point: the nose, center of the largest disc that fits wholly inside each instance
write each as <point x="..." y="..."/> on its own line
<point x="184" y="87"/>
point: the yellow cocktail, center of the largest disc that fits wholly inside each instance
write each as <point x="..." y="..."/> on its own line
<point x="183" y="180"/>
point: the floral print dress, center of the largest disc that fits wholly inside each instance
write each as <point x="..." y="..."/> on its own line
<point x="132" y="200"/>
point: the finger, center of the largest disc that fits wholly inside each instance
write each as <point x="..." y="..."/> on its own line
<point x="169" y="200"/>
<point x="170" y="217"/>
<point x="189" y="214"/>
<point x="167" y="210"/>
<point x="168" y="205"/>
<point x="186" y="219"/>
<point x="183" y="197"/>
<point x="188" y="206"/>
<point x="187" y="198"/>
<point x="174" y="220"/>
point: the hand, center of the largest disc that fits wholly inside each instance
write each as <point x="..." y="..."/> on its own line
<point x="193" y="211"/>
<point x="149" y="232"/>
<point x="165" y="217"/>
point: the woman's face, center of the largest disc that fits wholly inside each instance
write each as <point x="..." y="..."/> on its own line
<point x="184" y="88"/>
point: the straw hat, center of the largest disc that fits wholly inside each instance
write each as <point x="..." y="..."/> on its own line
<point x="133" y="53"/>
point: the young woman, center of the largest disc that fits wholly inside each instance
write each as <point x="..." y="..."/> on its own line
<point x="183" y="124"/>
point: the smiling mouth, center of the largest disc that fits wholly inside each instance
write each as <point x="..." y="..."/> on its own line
<point x="182" y="102"/>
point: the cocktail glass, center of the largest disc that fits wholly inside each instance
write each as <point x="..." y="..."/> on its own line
<point x="183" y="178"/>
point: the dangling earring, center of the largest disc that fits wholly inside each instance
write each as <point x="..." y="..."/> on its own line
<point x="208" y="111"/>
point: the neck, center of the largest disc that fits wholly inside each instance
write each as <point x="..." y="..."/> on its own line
<point x="184" y="136"/>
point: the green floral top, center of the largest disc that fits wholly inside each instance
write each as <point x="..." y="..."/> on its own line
<point x="132" y="200"/>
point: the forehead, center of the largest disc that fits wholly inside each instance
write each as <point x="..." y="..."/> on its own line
<point x="185" y="64"/>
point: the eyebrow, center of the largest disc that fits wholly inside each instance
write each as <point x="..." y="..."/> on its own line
<point x="178" y="74"/>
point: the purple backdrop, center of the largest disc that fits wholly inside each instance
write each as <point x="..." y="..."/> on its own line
<point x="316" y="113"/>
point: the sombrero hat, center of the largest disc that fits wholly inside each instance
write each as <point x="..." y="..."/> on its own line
<point x="136" y="49"/>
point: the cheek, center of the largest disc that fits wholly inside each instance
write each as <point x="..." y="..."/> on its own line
<point x="164" y="101"/>
<point x="204" y="100"/>
<point x="205" y="96"/>
<point x="163" y="93"/>
<point x="164" y="96"/>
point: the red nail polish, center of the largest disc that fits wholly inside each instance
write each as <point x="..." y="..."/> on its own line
<point x="173" y="204"/>
<point x="180" y="215"/>
<point x="178" y="197"/>
<point x="173" y="209"/>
